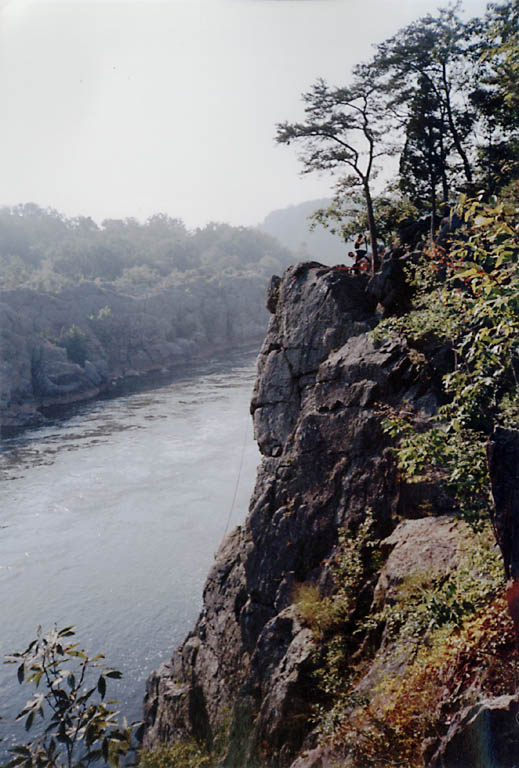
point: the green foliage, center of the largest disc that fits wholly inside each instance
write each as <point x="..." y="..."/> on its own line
<point x="355" y="557"/>
<point x="437" y="313"/>
<point x="77" y="726"/>
<point x="456" y="454"/>
<point x="496" y="95"/>
<point x="423" y="162"/>
<point x="443" y="89"/>
<point x="432" y="642"/>
<point x="332" y="619"/>
<point x="183" y="754"/>
<point x="103" y="324"/>
<point x="425" y="68"/>
<point x="427" y="602"/>
<point x="486" y="261"/>
<point x="448" y="673"/>
<point x="347" y="217"/>
<point x="467" y="300"/>
<point x="74" y="340"/>
<point x="344" y="132"/>
<point x="190" y="753"/>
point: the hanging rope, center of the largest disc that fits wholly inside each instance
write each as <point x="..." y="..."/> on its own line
<point x="244" y="445"/>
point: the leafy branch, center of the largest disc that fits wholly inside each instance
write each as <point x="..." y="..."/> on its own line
<point x="78" y="727"/>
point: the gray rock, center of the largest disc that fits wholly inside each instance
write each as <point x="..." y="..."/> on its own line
<point x="503" y="463"/>
<point x="483" y="736"/>
<point x="432" y="546"/>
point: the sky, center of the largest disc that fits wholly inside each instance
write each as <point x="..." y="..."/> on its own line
<point x="114" y="108"/>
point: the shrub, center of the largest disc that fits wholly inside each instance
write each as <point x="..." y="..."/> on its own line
<point x="75" y="342"/>
<point x="466" y="300"/>
<point x="78" y="727"/>
<point x="353" y="563"/>
<point x="445" y="676"/>
<point x="183" y="754"/>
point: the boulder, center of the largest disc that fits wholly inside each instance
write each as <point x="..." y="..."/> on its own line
<point x="485" y="735"/>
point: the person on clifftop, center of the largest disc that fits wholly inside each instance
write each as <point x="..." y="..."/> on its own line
<point x="361" y="262"/>
<point x="360" y="246"/>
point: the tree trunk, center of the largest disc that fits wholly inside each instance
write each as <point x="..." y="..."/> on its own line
<point x="433" y="209"/>
<point x="372" y="226"/>
<point x="444" y="181"/>
<point x="454" y="131"/>
<point x="432" y="187"/>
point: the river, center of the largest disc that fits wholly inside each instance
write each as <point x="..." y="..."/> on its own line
<point x="110" y="517"/>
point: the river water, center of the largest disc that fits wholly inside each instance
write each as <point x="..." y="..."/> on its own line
<point x="109" y="520"/>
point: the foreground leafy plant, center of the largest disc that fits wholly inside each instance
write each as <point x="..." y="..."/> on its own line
<point x="78" y="726"/>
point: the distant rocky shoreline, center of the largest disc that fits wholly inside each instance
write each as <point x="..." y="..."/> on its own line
<point x="69" y="347"/>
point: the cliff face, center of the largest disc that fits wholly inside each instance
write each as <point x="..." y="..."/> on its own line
<point x="68" y="347"/>
<point x="353" y="620"/>
<point x="318" y="403"/>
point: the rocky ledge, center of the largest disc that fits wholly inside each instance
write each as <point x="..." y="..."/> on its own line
<point x="322" y="392"/>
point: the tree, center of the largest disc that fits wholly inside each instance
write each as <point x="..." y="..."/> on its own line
<point x="432" y="54"/>
<point x="344" y="129"/>
<point x="423" y="159"/>
<point x="78" y="727"/>
<point x="503" y="21"/>
<point x="495" y="94"/>
<point x="391" y="212"/>
<point x="466" y="299"/>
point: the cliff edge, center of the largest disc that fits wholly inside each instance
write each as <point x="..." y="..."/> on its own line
<point x="255" y="666"/>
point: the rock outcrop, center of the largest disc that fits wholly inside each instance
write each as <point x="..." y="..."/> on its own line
<point x="485" y="735"/>
<point x="379" y="661"/>
<point x="322" y="392"/>
<point x="116" y="336"/>
<point x="503" y="463"/>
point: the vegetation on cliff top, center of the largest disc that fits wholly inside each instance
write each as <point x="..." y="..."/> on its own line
<point x="445" y="91"/>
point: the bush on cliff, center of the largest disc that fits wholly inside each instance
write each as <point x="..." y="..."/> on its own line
<point x="74" y="340"/>
<point x="466" y="301"/>
<point x="183" y="754"/>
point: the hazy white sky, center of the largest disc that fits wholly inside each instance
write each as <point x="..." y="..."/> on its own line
<point x="115" y="109"/>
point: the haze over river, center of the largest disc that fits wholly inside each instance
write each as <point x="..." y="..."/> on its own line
<point x="109" y="520"/>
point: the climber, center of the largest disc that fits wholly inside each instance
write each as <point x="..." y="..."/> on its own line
<point x="360" y="246"/>
<point x="361" y="263"/>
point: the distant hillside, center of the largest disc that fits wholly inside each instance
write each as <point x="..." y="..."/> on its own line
<point x="291" y="227"/>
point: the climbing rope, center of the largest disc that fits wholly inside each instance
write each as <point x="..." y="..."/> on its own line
<point x="244" y="445"/>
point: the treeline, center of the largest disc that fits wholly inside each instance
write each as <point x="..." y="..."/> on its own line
<point x="43" y="250"/>
<point x="443" y="96"/>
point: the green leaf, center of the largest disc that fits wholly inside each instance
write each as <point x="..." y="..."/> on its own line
<point x="114" y="674"/>
<point x="29" y="721"/>
<point x="101" y="686"/>
<point x="25" y="751"/>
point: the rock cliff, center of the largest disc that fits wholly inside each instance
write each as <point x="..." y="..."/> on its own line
<point x="354" y="619"/>
<point x="322" y="392"/>
<point x="67" y="347"/>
